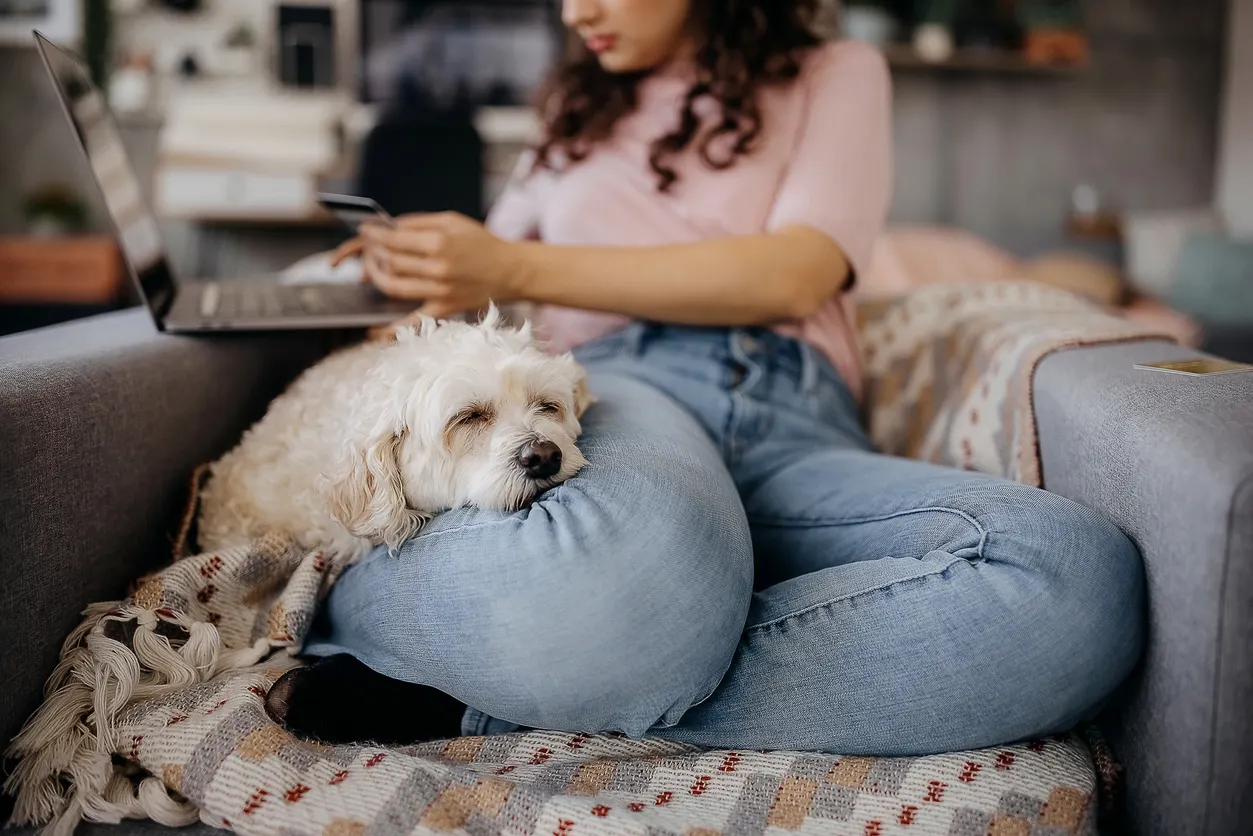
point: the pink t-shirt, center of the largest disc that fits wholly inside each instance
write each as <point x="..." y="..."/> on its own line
<point x="823" y="159"/>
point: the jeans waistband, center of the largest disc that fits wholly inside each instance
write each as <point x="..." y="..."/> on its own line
<point x="747" y="347"/>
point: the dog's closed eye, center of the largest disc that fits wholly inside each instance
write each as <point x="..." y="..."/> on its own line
<point x="549" y="407"/>
<point x="475" y="415"/>
<point x="467" y="424"/>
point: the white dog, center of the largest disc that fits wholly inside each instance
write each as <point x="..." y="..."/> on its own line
<point x="373" y="441"/>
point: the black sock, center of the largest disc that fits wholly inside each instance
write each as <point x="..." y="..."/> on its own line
<point x="338" y="699"/>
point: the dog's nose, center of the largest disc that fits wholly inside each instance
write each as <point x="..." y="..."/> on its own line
<point x="540" y="459"/>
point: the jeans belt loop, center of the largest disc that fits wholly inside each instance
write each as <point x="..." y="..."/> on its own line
<point x="741" y="364"/>
<point x="809" y="368"/>
<point x="634" y="334"/>
<point x="735" y="347"/>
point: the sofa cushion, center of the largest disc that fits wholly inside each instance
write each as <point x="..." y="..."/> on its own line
<point x="248" y="775"/>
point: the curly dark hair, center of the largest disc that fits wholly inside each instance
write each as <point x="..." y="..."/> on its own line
<point x="748" y="44"/>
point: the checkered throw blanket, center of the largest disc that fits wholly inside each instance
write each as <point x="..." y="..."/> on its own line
<point x="156" y="708"/>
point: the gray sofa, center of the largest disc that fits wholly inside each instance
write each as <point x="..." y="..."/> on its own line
<point x="102" y="421"/>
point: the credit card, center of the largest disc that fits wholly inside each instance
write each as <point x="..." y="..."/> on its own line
<point x="1197" y="367"/>
<point x="354" y="210"/>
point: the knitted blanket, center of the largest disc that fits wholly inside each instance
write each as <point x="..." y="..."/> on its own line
<point x="156" y="708"/>
<point x="949" y="369"/>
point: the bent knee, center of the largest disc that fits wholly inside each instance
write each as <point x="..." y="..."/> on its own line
<point x="1099" y="564"/>
<point x="630" y="684"/>
<point x="1110" y="577"/>
<point x="576" y="615"/>
<point x="619" y="644"/>
<point x="1093" y="632"/>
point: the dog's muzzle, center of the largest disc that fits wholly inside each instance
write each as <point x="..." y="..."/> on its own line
<point x="540" y="459"/>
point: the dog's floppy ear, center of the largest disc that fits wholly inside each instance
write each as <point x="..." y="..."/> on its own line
<point x="583" y="397"/>
<point x="367" y="492"/>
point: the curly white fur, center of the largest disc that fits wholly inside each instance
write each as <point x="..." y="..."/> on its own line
<point x="369" y="444"/>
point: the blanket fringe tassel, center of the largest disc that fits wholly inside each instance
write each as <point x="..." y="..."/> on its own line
<point x="65" y="769"/>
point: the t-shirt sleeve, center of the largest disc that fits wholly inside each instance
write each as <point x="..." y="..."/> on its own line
<point x="839" y="180"/>
<point x="515" y="216"/>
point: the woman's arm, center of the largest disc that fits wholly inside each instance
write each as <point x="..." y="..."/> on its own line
<point x="451" y="264"/>
<point x="747" y="280"/>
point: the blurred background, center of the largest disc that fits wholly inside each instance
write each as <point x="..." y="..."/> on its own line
<point x="1104" y="145"/>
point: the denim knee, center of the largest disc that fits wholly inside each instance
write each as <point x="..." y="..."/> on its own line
<point x="1117" y="595"/>
<point x="1093" y="576"/>
<point x="617" y="623"/>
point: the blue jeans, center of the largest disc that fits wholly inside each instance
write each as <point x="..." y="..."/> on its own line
<point x="736" y="567"/>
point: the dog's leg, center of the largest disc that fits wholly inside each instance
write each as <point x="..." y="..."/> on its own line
<point x="338" y="699"/>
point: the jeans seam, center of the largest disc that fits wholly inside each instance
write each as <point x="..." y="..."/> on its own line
<point x="833" y="522"/>
<point x="553" y="496"/>
<point x="423" y="535"/>
<point x="709" y="691"/>
<point x="841" y="599"/>
<point x="726" y="444"/>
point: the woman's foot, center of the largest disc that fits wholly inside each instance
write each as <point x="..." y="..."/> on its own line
<point x="337" y="699"/>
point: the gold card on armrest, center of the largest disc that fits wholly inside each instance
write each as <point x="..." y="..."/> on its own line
<point x="1197" y="367"/>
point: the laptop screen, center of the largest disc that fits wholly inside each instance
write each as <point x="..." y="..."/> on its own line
<point x="136" y="228"/>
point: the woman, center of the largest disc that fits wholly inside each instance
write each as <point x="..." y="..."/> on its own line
<point x="736" y="567"/>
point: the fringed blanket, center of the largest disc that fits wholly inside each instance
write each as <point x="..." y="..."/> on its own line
<point x="156" y="707"/>
<point x="949" y="369"/>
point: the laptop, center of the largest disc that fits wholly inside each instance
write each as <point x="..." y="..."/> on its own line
<point x="244" y="304"/>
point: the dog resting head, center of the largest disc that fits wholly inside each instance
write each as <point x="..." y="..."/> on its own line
<point x="452" y="414"/>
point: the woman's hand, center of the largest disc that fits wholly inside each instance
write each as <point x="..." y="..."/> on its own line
<point x="450" y="264"/>
<point x="447" y="262"/>
<point x="352" y="248"/>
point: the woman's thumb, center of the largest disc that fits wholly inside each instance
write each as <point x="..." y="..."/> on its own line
<point x="350" y="248"/>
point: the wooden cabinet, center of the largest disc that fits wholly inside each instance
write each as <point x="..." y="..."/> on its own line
<point x="79" y="270"/>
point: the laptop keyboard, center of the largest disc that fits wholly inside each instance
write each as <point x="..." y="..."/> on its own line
<point x="241" y="300"/>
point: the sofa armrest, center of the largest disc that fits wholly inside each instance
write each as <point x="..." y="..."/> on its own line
<point x="1169" y="459"/>
<point x="102" y="422"/>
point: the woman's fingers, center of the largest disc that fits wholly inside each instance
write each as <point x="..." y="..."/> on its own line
<point x="350" y="248"/>
<point x="432" y="220"/>
<point x="416" y="290"/>
<point x="416" y="266"/>
<point x="403" y="264"/>
<point x="421" y="242"/>
<point x="413" y="288"/>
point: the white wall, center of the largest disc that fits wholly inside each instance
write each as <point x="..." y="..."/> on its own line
<point x="1235" y="163"/>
